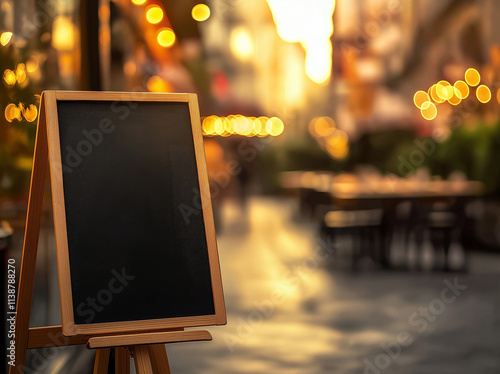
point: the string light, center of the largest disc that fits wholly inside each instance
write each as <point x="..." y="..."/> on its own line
<point x="454" y="94"/>
<point x="200" y="12"/>
<point x="21" y="73"/>
<point x="5" y="38"/>
<point x="9" y="77"/>
<point x="463" y="88"/>
<point x="419" y="98"/>
<point x="428" y="110"/>
<point x="483" y="94"/>
<point x="154" y="14"/>
<point x="472" y="77"/>
<point x="166" y="37"/>
<point x="242" y="125"/>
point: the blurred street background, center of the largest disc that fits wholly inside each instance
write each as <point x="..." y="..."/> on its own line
<point x="352" y="149"/>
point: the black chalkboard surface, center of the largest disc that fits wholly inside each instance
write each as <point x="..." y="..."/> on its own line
<point x="129" y="170"/>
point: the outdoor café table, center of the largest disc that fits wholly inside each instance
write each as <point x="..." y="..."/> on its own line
<point x="387" y="193"/>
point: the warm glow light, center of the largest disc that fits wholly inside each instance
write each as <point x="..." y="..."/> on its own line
<point x="209" y="126"/>
<point x="63" y="34"/>
<point x="32" y="64"/>
<point x="274" y="126"/>
<point x="337" y="145"/>
<point x="130" y="68"/>
<point x="5" y="37"/>
<point x="463" y="88"/>
<point x="21" y="73"/>
<point x="263" y="121"/>
<point x="154" y="14"/>
<point x="138" y="2"/>
<point x="498" y="96"/>
<point x="433" y="94"/>
<point x="241" y="125"/>
<point x="12" y="112"/>
<point x="241" y="43"/>
<point x="298" y="21"/>
<point x="219" y="127"/>
<point x="157" y="84"/>
<point x="483" y="93"/>
<point x="321" y="126"/>
<point x="9" y="77"/>
<point x="30" y="113"/>
<point x="166" y="38"/>
<point x="456" y="97"/>
<point x="420" y="97"/>
<point x="428" y="110"/>
<point x="200" y="12"/>
<point x="444" y="90"/>
<point x="472" y="77"/>
<point x="227" y="124"/>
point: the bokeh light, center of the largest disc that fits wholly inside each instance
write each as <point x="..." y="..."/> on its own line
<point x="154" y="14"/>
<point x="32" y="64"/>
<point x="241" y="43"/>
<point x="483" y="93"/>
<point x="138" y="2"/>
<point x="434" y="96"/>
<point x="30" y="113"/>
<point x="444" y="90"/>
<point x="200" y="12"/>
<point x="337" y="144"/>
<point x="456" y="98"/>
<point x="12" y="112"/>
<point x="274" y="126"/>
<point x="428" y="110"/>
<point x="9" y="77"/>
<point x="420" y="97"/>
<point x="166" y="37"/>
<point x="263" y="120"/>
<point x="312" y="27"/>
<point x="157" y="84"/>
<point x="463" y="88"/>
<point x="21" y="73"/>
<point x="321" y="126"/>
<point x="130" y="68"/>
<point x="5" y="38"/>
<point x="472" y="77"/>
<point x="242" y="126"/>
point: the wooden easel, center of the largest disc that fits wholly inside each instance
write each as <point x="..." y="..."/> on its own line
<point x="150" y="358"/>
<point x="147" y="349"/>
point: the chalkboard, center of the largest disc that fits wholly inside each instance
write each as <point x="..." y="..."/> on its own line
<point x="134" y="226"/>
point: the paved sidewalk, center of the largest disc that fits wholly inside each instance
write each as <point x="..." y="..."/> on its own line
<point x="290" y="312"/>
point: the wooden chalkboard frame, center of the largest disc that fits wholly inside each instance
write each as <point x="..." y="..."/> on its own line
<point x="69" y="328"/>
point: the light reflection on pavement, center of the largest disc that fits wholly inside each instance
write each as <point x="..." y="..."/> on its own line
<point x="290" y="312"/>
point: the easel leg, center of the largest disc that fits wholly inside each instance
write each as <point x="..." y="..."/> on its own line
<point x="142" y="360"/>
<point x="122" y="361"/>
<point x="32" y="230"/>
<point x="159" y="359"/>
<point x="101" y="361"/>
